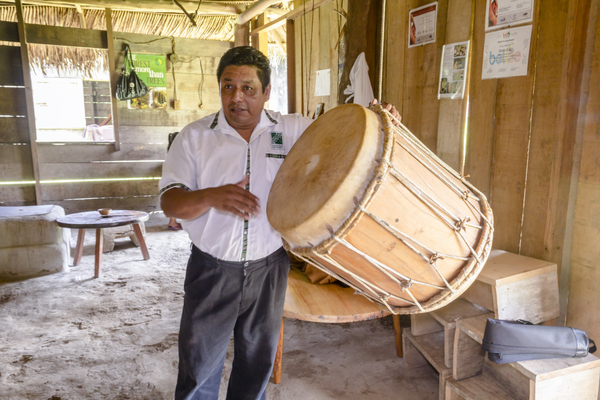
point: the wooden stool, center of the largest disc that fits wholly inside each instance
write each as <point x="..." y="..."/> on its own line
<point x="330" y="303"/>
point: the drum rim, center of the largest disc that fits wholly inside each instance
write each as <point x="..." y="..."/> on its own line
<point x="466" y="276"/>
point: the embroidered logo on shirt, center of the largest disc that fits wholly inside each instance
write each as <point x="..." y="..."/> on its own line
<point x="277" y="141"/>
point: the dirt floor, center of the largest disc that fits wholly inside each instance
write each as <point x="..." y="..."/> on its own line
<point x="68" y="336"/>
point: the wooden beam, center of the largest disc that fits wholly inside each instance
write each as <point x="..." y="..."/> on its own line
<point x="260" y="41"/>
<point x="30" y="105"/>
<point x="55" y="35"/>
<point x="136" y="5"/>
<point x="114" y="76"/>
<point x="291" y="65"/>
<point x="242" y="35"/>
<point x="298" y="12"/>
<point x="254" y="10"/>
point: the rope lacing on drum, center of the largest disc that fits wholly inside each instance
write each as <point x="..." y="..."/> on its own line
<point x="419" y="147"/>
<point x="380" y="298"/>
<point x="423" y="150"/>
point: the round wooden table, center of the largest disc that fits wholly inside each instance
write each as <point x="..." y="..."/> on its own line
<point x="93" y="220"/>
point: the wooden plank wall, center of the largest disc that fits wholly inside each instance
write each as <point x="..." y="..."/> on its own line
<point x="520" y="131"/>
<point x="143" y="133"/>
<point x="87" y="176"/>
<point x="583" y="292"/>
<point x="15" y="148"/>
<point x="316" y="35"/>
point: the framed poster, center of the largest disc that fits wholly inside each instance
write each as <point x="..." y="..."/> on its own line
<point x="453" y="71"/>
<point x="502" y="13"/>
<point x="422" y="23"/>
<point x="506" y="53"/>
<point x="152" y="70"/>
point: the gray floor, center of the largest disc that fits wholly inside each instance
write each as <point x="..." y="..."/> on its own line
<point x="69" y="336"/>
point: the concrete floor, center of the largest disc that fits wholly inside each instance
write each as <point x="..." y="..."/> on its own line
<point x="69" y="336"/>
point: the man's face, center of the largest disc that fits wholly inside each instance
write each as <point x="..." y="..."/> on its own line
<point x="242" y="96"/>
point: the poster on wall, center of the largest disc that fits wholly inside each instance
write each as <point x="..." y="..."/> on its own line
<point x="152" y="69"/>
<point x="506" y="53"/>
<point x="453" y="71"/>
<point x="502" y="13"/>
<point x="422" y="24"/>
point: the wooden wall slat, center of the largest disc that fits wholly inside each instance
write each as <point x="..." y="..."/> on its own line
<point x="15" y="153"/>
<point x="14" y="130"/>
<point x="11" y="71"/>
<point x="183" y="47"/>
<point x="16" y="172"/>
<point x="17" y="195"/>
<point x="98" y="170"/>
<point x="140" y="203"/>
<point x="63" y="36"/>
<point x="584" y="272"/>
<point x="510" y="160"/>
<point x="79" y="153"/>
<point x="551" y="27"/>
<point x="395" y="54"/>
<point x="172" y="118"/>
<point x="481" y="127"/>
<point x="9" y="31"/>
<point x="12" y="101"/>
<point x="63" y="191"/>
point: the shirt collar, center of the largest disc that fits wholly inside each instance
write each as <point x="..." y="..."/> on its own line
<point x="267" y="118"/>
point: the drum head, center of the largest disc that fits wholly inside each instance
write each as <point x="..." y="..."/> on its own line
<point x="328" y="168"/>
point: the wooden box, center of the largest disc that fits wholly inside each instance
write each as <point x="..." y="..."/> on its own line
<point x="428" y="348"/>
<point x="516" y="287"/>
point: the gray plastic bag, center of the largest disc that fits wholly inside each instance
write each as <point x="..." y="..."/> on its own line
<point x="511" y="341"/>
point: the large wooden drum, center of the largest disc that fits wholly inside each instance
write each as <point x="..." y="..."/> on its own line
<point x="368" y="203"/>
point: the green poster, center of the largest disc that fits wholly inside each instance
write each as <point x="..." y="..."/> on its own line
<point x="151" y="68"/>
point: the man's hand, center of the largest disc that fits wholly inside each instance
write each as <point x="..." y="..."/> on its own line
<point x="233" y="198"/>
<point x="390" y="108"/>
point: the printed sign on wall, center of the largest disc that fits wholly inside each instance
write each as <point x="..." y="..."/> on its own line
<point x="453" y="71"/>
<point x="502" y="13"/>
<point x="152" y="69"/>
<point x="506" y="53"/>
<point x="422" y="25"/>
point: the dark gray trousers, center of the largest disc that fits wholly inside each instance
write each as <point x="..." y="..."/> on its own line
<point x="222" y="297"/>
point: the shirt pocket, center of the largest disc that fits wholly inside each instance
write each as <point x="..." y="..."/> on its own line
<point x="274" y="161"/>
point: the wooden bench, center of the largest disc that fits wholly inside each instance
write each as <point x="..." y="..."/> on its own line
<point x="329" y="303"/>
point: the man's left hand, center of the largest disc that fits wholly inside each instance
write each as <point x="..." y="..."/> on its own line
<point x="390" y="108"/>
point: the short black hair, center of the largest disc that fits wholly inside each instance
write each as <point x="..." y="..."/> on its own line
<point x="247" y="55"/>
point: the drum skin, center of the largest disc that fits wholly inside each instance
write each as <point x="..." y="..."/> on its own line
<point x="372" y="206"/>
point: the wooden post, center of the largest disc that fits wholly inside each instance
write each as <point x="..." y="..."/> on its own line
<point x="291" y="64"/>
<point x="114" y="76"/>
<point x="242" y="35"/>
<point x="29" y="101"/>
<point x="260" y="40"/>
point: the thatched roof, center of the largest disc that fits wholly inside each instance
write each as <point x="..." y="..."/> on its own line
<point x="66" y="59"/>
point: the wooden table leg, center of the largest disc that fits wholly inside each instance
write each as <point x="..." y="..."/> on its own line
<point x="398" y="334"/>
<point x="79" y="247"/>
<point x="278" y="357"/>
<point x="140" y="237"/>
<point x="99" y="250"/>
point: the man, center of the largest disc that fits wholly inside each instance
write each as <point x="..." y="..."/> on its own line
<point x="217" y="175"/>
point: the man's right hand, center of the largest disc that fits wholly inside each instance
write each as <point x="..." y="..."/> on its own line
<point x="233" y="198"/>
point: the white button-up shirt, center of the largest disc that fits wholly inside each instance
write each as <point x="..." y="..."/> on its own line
<point x="210" y="153"/>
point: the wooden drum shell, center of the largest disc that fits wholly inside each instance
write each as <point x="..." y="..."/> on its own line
<point x="394" y="247"/>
